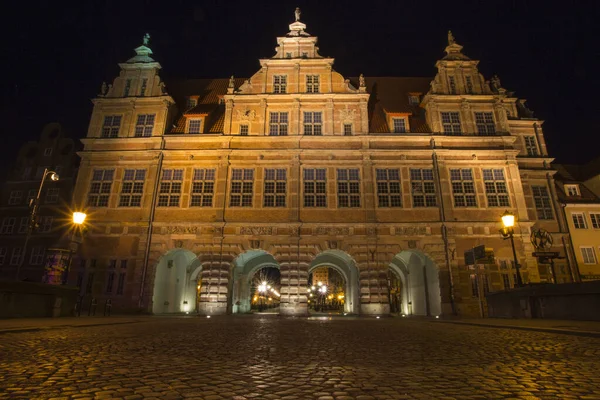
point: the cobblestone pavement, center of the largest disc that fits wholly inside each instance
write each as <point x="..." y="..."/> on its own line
<point x="268" y="357"/>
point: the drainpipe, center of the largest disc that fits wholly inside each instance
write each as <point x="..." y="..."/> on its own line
<point x="151" y="221"/>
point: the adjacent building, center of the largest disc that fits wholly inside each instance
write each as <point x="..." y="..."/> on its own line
<point x="192" y="186"/>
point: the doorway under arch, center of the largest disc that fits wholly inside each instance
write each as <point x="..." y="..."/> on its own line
<point x="420" y="290"/>
<point x="345" y="265"/>
<point x="175" y="283"/>
<point x="245" y="266"/>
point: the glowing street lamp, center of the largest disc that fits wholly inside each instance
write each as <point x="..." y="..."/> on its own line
<point x="78" y="221"/>
<point x="507" y="232"/>
<point x="79" y="217"/>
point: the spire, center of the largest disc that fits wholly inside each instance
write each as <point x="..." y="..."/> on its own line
<point x="142" y="52"/>
<point x="297" y="28"/>
<point x="454" y="50"/>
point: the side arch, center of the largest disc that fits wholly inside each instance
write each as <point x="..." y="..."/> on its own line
<point x="175" y="282"/>
<point x="346" y="266"/>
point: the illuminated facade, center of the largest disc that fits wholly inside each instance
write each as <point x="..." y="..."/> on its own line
<point x="201" y="183"/>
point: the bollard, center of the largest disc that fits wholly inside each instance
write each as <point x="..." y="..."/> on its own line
<point x="93" y="304"/>
<point x="107" y="307"/>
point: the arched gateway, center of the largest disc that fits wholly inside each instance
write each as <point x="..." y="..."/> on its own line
<point x="346" y="266"/>
<point x="175" y="282"/>
<point x="245" y="267"/>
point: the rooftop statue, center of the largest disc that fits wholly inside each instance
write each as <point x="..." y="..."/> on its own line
<point x="361" y="80"/>
<point x="297" y="14"/>
<point x="146" y="40"/>
<point x="231" y="82"/>
<point x="495" y="81"/>
<point x="451" y="40"/>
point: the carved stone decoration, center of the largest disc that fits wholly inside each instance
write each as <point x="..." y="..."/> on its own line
<point x="182" y="230"/>
<point x="412" y="244"/>
<point x="218" y="231"/>
<point x="410" y="230"/>
<point x="294" y="230"/>
<point x="371" y="231"/>
<point x="332" y="244"/>
<point x="347" y="115"/>
<point x="333" y="230"/>
<point x="178" y="244"/>
<point x="255" y="244"/>
<point x="246" y="115"/>
<point x="256" y="230"/>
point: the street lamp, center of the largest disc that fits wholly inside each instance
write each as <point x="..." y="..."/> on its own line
<point x="262" y="289"/>
<point x="33" y="205"/>
<point x="507" y="232"/>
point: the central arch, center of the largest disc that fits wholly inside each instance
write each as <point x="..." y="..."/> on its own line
<point x="244" y="267"/>
<point x="345" y="265"/>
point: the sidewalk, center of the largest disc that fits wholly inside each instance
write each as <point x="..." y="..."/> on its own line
<point x="37" y="324"/>
<point x="569" y="327"/>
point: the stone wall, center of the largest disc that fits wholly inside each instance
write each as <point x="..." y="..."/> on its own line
<point x="28" y="300"/>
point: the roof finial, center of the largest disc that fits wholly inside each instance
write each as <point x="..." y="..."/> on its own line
<point x="297" y="14"/>
<point x="146" y="39"/>
<point x="451" y="40"/>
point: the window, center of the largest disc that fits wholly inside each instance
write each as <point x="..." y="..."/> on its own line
<point x="16" y="197"/>
<point x="531" y="146"/>
<point x="132" y="188"/>
<point x="47" y="151"/>
<point x="275" y="187"/>
<point x="485" y="123"/>
<point x="15" y="258"/>
<point x="451" y="123"/>
<point x="31" y="195"/>
<point x="190" y="103"/>
<point x="26" y="173"/>
<point x="121" y="282"/>
<point x="288" y="55"/>
<point x="541" y="198"/>
<point x="203" y="186"/>
<point x="452" y="84"/>
<point x="572" y="190"/>
<point x="579" y="220"/>
<point x="127" y="88"/>
<point x="474" y="285"/>
<point x="39" y="173"/>
<point x="422" y="188"/>
<point x="312" y="83"/>
<point x="304" y="54"/>
<point x="506" y="281"/>
<point x="348" y="183"/>
<point x="170" y="188"/>
<point x="110" y="278"/>
<point x="589" y="255"/>
<point x="24" y="224"/>
<point x="278" y="124"/>
<point x="100" y="187"/>
<point x="242" y="188"/>
<point x="90" y="283"/>
<point x="8" y="224"/>
<point x="279" y="83"/>
<point x="595" y="220"/>
<point x="3" y="251"/>
<point x="123" y="264"/>
<point x="469" y="84"/>
<point x="347" y="129"/>
<point x="144" y="125"/>
<point x="194" y="126"/>
<point x="414" y="100"/>
<point x="315" y="187"/>
<point x="388" y="187"/>
<point x="463" y="187"/>
<point x="486" y="284"/>
<point x="244" y="130"/>
<point x="52" y="195"/>
<point x="495" y="188"/>
<point x="45" y="224"/>
<point x="399" y="125"/>
<point x="313" y="123"/>
<point x="37" y="255"/>
<point x="111" y="126"/>
<point x="144" y="85"/>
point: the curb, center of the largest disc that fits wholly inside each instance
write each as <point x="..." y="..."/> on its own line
<point x="527" y="328"/>
<point x="47" y="328"/>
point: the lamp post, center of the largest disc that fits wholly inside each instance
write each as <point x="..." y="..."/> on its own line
<point x="262" y="289"/>
<point x="507" y="232"/>
<point x="78" y="220"/>
<point x="33" y="205"/>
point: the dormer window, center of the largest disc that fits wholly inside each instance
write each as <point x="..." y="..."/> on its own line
<point x="190" y="103"/>
<point x="572" y="190"/>
<point x="288" y="55"/>
<point x="399" y="125"/>
<point x="194" y="126"/>
<point x="414" y="99"/>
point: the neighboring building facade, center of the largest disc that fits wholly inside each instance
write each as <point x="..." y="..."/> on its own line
<point x="321" y="275"/>
<point x="55" y="152"/>
<point x="196" y="185"/>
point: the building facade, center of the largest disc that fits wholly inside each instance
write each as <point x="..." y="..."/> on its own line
<point x="193" y="186"/>
<point x="54" y="151"/>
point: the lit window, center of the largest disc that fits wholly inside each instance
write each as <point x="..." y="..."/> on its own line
<point x="278" y="124"/>
<point x="531" y="146"/>
<point x="347" y="129"/>
<point x="579" y="221"/>
<point x="279" y="83"/>
<point x="485" y="123"/>
<point x="399" y="125"/>
<point x="52" y="195"/>
<point x="15" y="258"/>
<point x="16" y="197"/>
<point x="100" y="187"/>
<point x="144" y="125"/>
<point x="194" y="126"/>
<point x="244" y="130"/>
<point x="451" y="123"/>
<point x="48" y="151"/>
<point x="275" y="187"/>
<point x="8" y="225"/>
<point x="495" y="188"/>
<point x="312" y="83"/>
<point x="572" y="190"/>
<point x="589" y="255"/>
<point x="242" y="188"/>
<point x="348" y="184"/>
<point x="422" y="188"/>
<point x="595" y="217"/>
<point x="388" y="187"/>
<point x="37" y="255"/>
<point x="542" y="202"/>
<point x="111" y="126"/>
<point x="170" y="188"/>
<point x="203" y="186"/>
<point x="132" y="188"/>
<point x="463" y="187"/>
<point x="313" y="123"/>
<point x="315" y="187"/>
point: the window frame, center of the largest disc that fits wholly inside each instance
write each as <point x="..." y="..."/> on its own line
<point x="595" y="219"/>
<point x="579" y="220"/>
<point x="545" y="202"/>
<point x="203" y="187"/>
<point x="531" y="145"/>
<point x="584" y="256"/>
<point x="194" y="121"/>
<point x="493" y="187"/>
<point x="52" y="195"/>
<point x="450" y="121"/>
<point x="241" y="188"/>
<point x="399" y="129"/>
<point x="281" y="127"/>
<point x="484" y="121"/>
<point x="244" y="129"/>
<point x="348" y="184"/>
<point x="170" y="187"/>
<point x="314" y="85"/>
<point x="144" y="128"/>
<point x="132" y="190"/>
<point x="275" y="198"/>
<point x="110" y="129"/>
<point x="15" y="197"/>
<point x="310" y="125"/>
<point x="279" y="83"/>
<point x="314" y="187"/>
<point x="425" y="184"/>
<point x="467" y="188"/>
<point x="569" y="187"/>
<point x="104" y="187"/>
<point x="385" y="188"/>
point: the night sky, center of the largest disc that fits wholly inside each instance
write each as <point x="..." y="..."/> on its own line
<point x="55" y="57"/>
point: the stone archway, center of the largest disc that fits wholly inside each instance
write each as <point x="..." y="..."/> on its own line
<point x="345" y="265"/>
<point x="420" y="281"/>
<point x="175" y="282"/>
<point x="244" y="268"/>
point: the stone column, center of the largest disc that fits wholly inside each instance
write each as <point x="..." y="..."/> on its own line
<point x="294" y="280"/>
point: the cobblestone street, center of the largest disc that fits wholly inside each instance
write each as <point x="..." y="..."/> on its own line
<point x="268" y="357"/>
